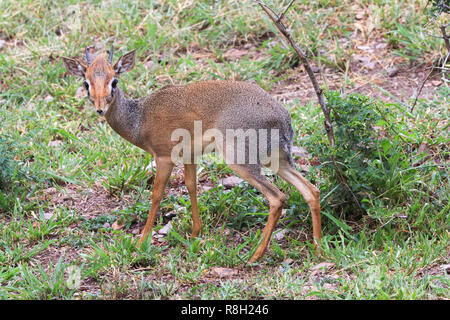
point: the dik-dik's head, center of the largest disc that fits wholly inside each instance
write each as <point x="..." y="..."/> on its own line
<point x="100" y="76"/>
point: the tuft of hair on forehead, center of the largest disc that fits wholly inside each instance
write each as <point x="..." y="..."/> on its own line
<point x="100" y="67"/>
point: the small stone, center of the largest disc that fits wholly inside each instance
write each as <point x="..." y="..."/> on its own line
<point x="206" y="188"/>
<point x="149" y="65"/>
<point x="231" y="182"/>
<point x="54" y="143"/>
<point x="165" y="230"/>
<point x="170" y="215"/>
<point x="48" y="215"/>
<point x="279" y="234"/>
<point x="50" y="190"/>
<point x="381" y="45"/>
<point x="393" y="72"/>
<point x="446" y="268"/>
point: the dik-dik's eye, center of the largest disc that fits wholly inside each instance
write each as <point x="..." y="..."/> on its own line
<point x="113" y="85"/>
<point x="86" y="86"/>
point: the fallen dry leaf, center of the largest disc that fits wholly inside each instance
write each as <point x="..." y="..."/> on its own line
<point x="280" y="233"/>
<point x="436" y="83"/>
<point x="117" y="225"/>
<point x="235" y="53"/>
<point x="223" y="272"/>
<point x="322" y="267"/>
<point x="318" y="271"/>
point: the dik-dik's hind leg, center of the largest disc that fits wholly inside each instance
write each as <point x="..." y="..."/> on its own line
<point x="308" y="191"/>
<point x="190" y="179"/>
<point x="163" y="170"/>
<point x="252" y="174"/>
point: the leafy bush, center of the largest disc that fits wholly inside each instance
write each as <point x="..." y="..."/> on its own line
<point x="8" y="167"/>
<point x="10" y="172"/>
<point x="375" y="165"/>
<point x="438" y="7"/>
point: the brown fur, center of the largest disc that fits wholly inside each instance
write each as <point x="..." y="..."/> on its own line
<point x="148" y="123"/>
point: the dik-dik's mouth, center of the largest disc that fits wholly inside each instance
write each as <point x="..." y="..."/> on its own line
<point x="102" y="112"/>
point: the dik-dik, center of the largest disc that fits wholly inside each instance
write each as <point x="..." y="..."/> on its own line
<point x="220" y="107"/>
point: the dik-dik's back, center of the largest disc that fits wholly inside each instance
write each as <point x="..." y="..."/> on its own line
<point x="238" y="119"/>
<point x="222" y="105"/>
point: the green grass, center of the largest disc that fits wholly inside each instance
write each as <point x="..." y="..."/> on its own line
<point x="51" y="138"/>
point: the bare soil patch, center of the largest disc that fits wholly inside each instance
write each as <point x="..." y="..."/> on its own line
<point x="88" y="202"/>
<point x="371" y="67"/>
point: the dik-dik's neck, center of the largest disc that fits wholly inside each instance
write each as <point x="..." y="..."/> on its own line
<point x="125" y="117"/>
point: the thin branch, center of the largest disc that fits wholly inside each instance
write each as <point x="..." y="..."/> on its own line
<point x="302" y="55"/>
<point x="420" y="90"/>
<point x="326" y="111"/>
<point x="432" y="35"/>
<point x="285" y="10"/>
<point x="446" y="38"/>
<point x="447" y="45"/>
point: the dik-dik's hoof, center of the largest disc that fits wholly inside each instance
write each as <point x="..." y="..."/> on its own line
<point x="256" y="256"/>
<point x="143" y="239"/>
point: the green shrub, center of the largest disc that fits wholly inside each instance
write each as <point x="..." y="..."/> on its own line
<point x="9" y="169"/>
<point x="375" y="167"/>
<point x="10" y="173"/>
<point x="439" y="6"/>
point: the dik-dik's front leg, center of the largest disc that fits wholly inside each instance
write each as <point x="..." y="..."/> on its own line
<point x="163" y="170"/>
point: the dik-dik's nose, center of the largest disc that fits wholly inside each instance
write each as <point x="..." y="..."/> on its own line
<point x="100" y="111"/>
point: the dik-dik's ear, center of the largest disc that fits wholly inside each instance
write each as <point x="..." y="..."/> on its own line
<point x="75" y="67"/>
<point x="126" y="62"/>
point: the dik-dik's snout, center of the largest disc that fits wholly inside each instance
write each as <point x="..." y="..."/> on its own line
<point x="101" y="106"/>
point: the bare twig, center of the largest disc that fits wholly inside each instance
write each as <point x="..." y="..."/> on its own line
<point x="446" y="37"/>
<point x="285" y="10"/>
<point x="447" y="45"/>
<point x="326" y="111"/>
<point x="420" y="89"/>
<point x="302" y="55"/>
<point x="433" y="35"/>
